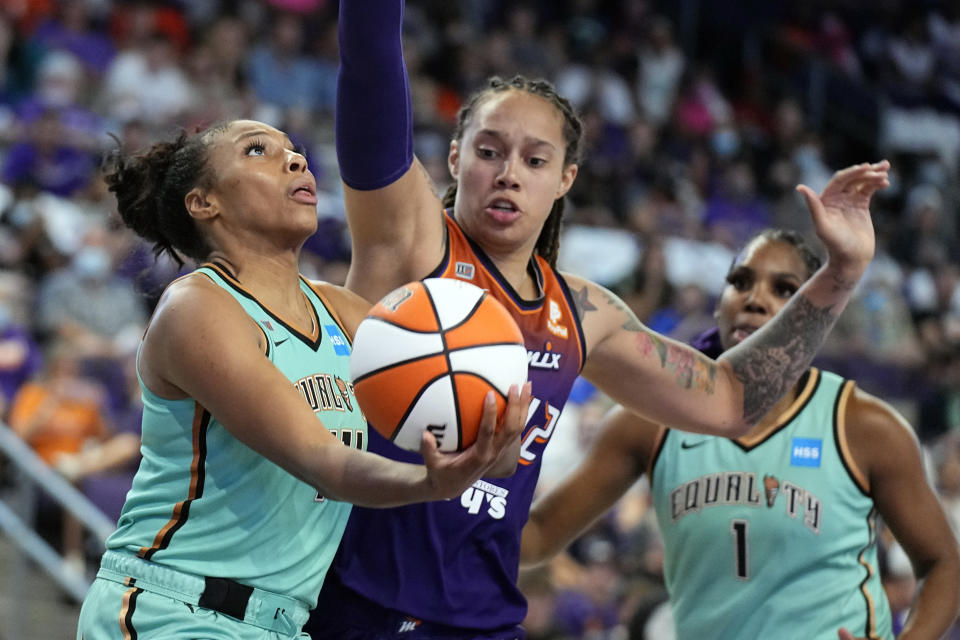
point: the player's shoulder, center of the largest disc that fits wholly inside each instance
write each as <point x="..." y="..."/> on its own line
<point x="868" y="413"/>
<point x="878" y="435"/>
<point x="192" y="302"/>
<point x="350" y="307"/>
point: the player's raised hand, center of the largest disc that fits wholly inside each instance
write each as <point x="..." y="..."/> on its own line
<point x="841" y="215"/>
<point x="451" y="473"/>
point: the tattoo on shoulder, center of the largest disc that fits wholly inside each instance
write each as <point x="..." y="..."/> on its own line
<point x="581" y="302"/>
<point x="630" y="322"/>
<point x="780" y="355"/>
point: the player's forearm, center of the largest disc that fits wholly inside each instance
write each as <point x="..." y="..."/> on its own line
<point x="369" y="480"/>
<point x="373" y="119"/>
<point x="937" y="603"/>
<point x="769" y="363"/>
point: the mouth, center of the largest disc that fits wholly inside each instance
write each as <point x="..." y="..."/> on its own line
<point x="304" y="193"/>
<point x="503" y="210"/>
<point x="741" y="332"/>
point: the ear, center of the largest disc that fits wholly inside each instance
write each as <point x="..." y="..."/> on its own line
<point x="200" y="205"/>
<point x="453" y="159"/>
<point x="566" y="180"/>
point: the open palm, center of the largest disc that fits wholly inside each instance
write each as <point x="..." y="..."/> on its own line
<point x="841" y="212"/>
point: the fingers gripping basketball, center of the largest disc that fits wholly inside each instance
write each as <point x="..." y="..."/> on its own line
<point x="425" y="357"/>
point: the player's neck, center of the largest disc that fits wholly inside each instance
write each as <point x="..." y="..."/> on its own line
<point x="273" y="280"/>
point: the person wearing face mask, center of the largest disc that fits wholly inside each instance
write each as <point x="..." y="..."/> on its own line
<point x="89" y="304"/>
<point x="772" y="534"/>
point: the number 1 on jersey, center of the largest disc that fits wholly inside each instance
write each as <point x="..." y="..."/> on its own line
<point x="740" y="529"/>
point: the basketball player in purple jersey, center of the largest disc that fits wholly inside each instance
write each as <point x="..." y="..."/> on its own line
<point x="448" y="569"/>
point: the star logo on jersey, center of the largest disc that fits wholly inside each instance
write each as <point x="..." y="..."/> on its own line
<point x="553" y="322"/>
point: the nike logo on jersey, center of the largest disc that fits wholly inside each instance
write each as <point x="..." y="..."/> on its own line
<point x="277" y="343"/>
<point x="686" y="444"/>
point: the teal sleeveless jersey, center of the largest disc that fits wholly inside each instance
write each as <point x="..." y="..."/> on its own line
<point x="771" y="536"/>
<point x="205" y="503"/>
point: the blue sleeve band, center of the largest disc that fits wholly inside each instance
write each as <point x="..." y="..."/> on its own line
<point x="374" y="116"/>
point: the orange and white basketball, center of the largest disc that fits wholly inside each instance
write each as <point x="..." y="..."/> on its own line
<point x="425" y="357"/>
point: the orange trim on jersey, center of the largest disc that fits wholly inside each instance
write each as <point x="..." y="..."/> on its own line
<point x="657" y="448"/>
<point x="841" y="420"/>
<point x="871" y="607"/>
<point x="752" y="440"/>
<point x="223" y="273"/>
<point x="330" y="309"/>
<point x="181" y="511"/>
<point x="549" y="282"/>
<point x="126" y="613"/>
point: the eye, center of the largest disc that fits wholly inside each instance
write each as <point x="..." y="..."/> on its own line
<point x="486" y="153"/>
<point x="255" y="148"/>
<point x="537" y="162"/>
<point x="785" y="289"/>
<point x="739" y="280"/>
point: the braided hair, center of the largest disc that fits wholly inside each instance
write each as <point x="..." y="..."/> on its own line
<point x="548" y="243"/>
<point x="811" y="260"/>
<point x="151" y="187"/>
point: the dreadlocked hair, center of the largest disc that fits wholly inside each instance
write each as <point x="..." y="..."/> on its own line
<point x="548" y="243"/>
<point x="151" y="187"/>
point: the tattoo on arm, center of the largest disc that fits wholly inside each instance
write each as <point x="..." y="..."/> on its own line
<point x="581" y="303"/>
<point x="690" y="369"/>
<point x="779" y="355"/>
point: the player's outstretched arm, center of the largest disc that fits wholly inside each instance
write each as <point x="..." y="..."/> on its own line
<point x="201" y="344"/>
<point x="392" y="207"/>
<point x="888" y="459"/>
<point x="671" y="383"/>
<point x="617" y="458"/>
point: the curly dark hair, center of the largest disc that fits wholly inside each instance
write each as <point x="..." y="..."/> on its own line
<point x="151" y="187"/>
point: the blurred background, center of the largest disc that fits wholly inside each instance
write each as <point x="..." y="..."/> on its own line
<point x="701" y="117"/>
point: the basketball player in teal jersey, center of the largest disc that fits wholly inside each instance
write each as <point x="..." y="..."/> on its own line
<point x="772" y="534"/>
<point x="253" y="443"/>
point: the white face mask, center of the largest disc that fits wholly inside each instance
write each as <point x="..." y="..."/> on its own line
<point x="92" y="263"/>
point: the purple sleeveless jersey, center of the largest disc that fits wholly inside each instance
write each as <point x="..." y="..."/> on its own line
<point x="455" y="562"/>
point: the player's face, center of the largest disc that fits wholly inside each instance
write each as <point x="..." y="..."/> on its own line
<point x="509" y="168"/>
<point x="261" y="182"/>
<point x="764" y="277"/>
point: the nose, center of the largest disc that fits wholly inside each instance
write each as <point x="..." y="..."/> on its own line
<point x="296" y="162"/>
<point x="755" y="301"/>
<point x="507" y="177"/>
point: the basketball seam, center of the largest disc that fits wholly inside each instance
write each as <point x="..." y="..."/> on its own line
<point x="446" y="354"/>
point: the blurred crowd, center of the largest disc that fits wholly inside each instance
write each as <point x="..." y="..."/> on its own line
<point x="700" y="119"/>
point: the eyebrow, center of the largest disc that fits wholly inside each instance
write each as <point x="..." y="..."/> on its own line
<point x="262" y="132"/>
<point x="537" y="142"/>
<point x="775" y="274"/>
